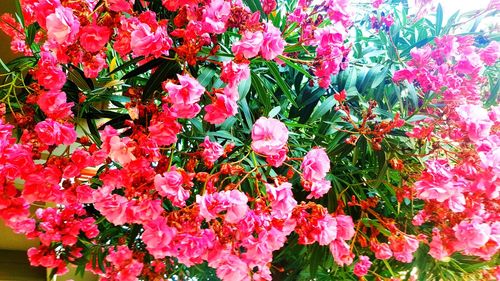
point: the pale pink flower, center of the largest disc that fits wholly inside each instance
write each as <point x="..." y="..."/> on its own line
<point x="170" y="185"/>
<point x="345" y="227"/>
<point x="342" y="255"/>
<point x="94" y="37"/>
<point x="362" y="266"/>
<point x="315" y="165"/>
<point x="120" y="150"/>
<point x="211" y="150"/>
<point x="233" y="73"/>
<point x="233" y="268"/>
<point x="476" y="120"/>
<point x="216" y="15"/>
<point x="326" y="230"/>
<point x="272" y="45"/>
<point x="114" y="207"/>
<point x="472" y="234"/>
<point x="490" y="54"/>
<point x="269" y="136"/>
<point x="157" y="237"/>
<point x="62" y="26"/>
<point x="318" y="188"/>
<point x="238" y="207"/>
<point x="281" y="198"/>
<point x="382" y="250"/>
<point x="437" y="249"/>
<point x="249" y="45"/>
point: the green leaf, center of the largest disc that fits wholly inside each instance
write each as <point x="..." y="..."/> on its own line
<point x="125" y="65"/>
<point x="206" y="76"/>
<point x="281" y="83"/>
<point x="275" y="111"/>
<point x="321" y="110"/>
<point x="139" y="70"/>
<point x="295" y="66"/>
<point x="439" y="19"/>
<point x="167" y="70"/>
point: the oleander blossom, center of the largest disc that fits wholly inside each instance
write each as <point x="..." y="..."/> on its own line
<point x="362" y="266"/>
<point x="211" y="151"/>
<point x="269" y="136"/>
<point x="272" y="45"/>
<point x="62" y="26"/>
<point x="315" y="166"/>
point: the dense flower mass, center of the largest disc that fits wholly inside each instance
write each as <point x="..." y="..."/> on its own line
<point x="249" y="140"/>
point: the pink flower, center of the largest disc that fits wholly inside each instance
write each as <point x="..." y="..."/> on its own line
<point x="272" y="44"/>
<point x="403" y="74"/>
<point x="120" y="5"/>
<point x="342" y="255"/>
<point x="94" y="37"/>
<point x="145" y="41"/>
<point x="216" y="15"/>
<point x="377" y="3"/>
<point x="382" y="250"/>
<point x="268" y="5"/>
<point x="124" y="266"/>
<point x="476" y="120"/>
<point x="361" y="268"/>
<point x="233" y="268"/>
<point x="276" y="160"/>
<point x="318" y="188"/>
<point x="315" y="165"/>
<point x="184" y="97"/>
<point x="62" y="26"/>
<point x="53" y="104"/>
<point x="237" y="208"/>
<point x="114" y="207"/>
<point x="163" y="128"/>
<point x="249" y="45"/>
<point x="233" y="73"/>
<point x="403" y="247"/>
<point x="157" y="237"/>
<point x="472" y="234"/>
<point x="223" y="108"/>
<point x="211" y="151"/>
<point x="326" y="230"/>
<point x="93" y="65"/>
<point x="490" y="54"/>
<point x="121" y="150"/>
<point x="51" y="132"/>
<point x="269" y="136"/>
<point x="345" y="227"/>
<point x="281" y="198"/>
<point x="437" y="248"/>
<point x="188" y="92"/>
<point x="48" y="73"/>
<point x="234" y="202"/>
<point x="170" y="185"/>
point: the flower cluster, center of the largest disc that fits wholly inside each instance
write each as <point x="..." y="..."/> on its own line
<point x="460" y="182"/>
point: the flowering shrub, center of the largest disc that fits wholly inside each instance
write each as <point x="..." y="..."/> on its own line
<point x="251" y="140"/>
